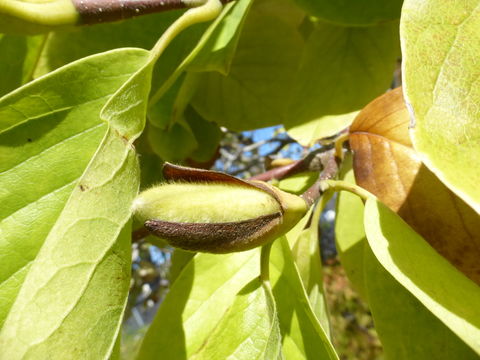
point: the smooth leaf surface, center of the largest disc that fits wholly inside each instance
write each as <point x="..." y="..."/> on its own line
<point x="174" y="144"/>
<point x="308" y="133"/>
<point x="216" y="51"/>
<point x="207" y="136"/>
<point x="349" y="233"/>
<point x="204" y="291"/>
<point x="306" y="254"/>
<point x="196" y="303"/>
<point x="353" y="12"/>
<point x="18" y="57"/>
<point x="249" y="329"/>
<point x="386" y="165"/>
<point x="298" y="183"/>
<point x="440" y="41"/>
<point x="256" y="91"/>
<point x="171" y="106"/>
<point x="407" y="329"/>
<point x="431" y="279"/>
<point x="302" y="334"/>
<point x="50" y="130"/>
<point x="213" y="45"/>
<point x="88" y="246"/>
<point x="341" y="70"/>
<point x="63" y="47"/>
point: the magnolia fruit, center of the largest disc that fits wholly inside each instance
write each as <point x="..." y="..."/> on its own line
<point x="208" y="211"/>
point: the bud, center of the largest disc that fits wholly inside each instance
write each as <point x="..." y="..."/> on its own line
<point x="208" y="211"/>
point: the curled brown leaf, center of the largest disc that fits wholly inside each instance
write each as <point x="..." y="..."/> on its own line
<point x="386" y="164"/>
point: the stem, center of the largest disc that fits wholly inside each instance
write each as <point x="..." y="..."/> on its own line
<point x="280" y="172"/>
<point x="208" y="11"/>
<point x="313" y="193"/>
<point x="340" y="185"/>
<point x="312" y="162"/>
<point x="265" y="263"/>
<point x="339" y="145"/>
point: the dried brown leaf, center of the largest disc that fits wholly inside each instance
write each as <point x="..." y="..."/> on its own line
<point x="386" y="164"/>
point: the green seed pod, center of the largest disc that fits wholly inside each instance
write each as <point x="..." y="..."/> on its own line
<point x="209" y="211"/>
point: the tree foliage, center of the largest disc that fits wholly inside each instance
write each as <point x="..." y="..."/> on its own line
<point x="95" y="99"/>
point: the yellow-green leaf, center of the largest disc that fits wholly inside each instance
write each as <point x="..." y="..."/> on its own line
<point x="431" y="279"/>
<point x="349" y="232"/>
<point x="75" y="291"/>
<point x="440" y="50"/>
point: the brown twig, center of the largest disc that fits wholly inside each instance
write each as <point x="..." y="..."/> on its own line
<point x="312" y="162"/>
<point x="330" y="169"/>
<point x="139" y="234"/>
<point x="100" y="11"/>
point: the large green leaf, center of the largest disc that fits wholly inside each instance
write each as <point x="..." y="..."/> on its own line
<point x="73" y="296"/>
<point x="249" y="329"/>
<point x="407" y="329"/>
<point x="173" y="144"/>
<point x="440" y="69"/>
<point x="213" y="51"/>
<point x="302" y="333"/>
<point x="341" y="70"/>
<point x="353" y="12"/>
<point x="218" y="45"/>
<point x="203" y="48"/>
<point x="50" y="130"/>
<point x="349" y="231"/>
<point x="18" y="57"/>
<point x="256" y="91"/>
<point x="448" y="294"/>
<point x="63" y="47"/>
<point x="207" y="136"/>
<point x="305" y="245"/>
<point x="198" y="309"/>
<point x="196" y="303"/>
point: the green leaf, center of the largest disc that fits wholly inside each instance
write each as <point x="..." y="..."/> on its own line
<point x="18" y="56"/>
<point x="174" y="144"/>
<point x="302" y="334"/>
<point x="213" y="45"/>
<point x="202" y="294"/>
<point x="432" y="280"/>
<point x="216" y="51"/>
<point x="63" y="47"/>
<point x="341" y="70"/>
<point x="256" y="91"/>
<point x="439" y="41"/>
<point x="407" y="329"/>
<point x="349" y="232"/>
<point x="306" y="254"/>
<point x="280" y="87"/>
<point x="353" y="12"/>
<point x="164" y="113"/>
<point x="49" y="130"/>
<point x="207" y="136"/>
<point x="308" y="133"/>
<point x="73" y="296"/>
<point x="298" y="183"/>
<point x="196" y="303"/>
<point x="249" y="329"/>
<point x="180" y="259"/>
